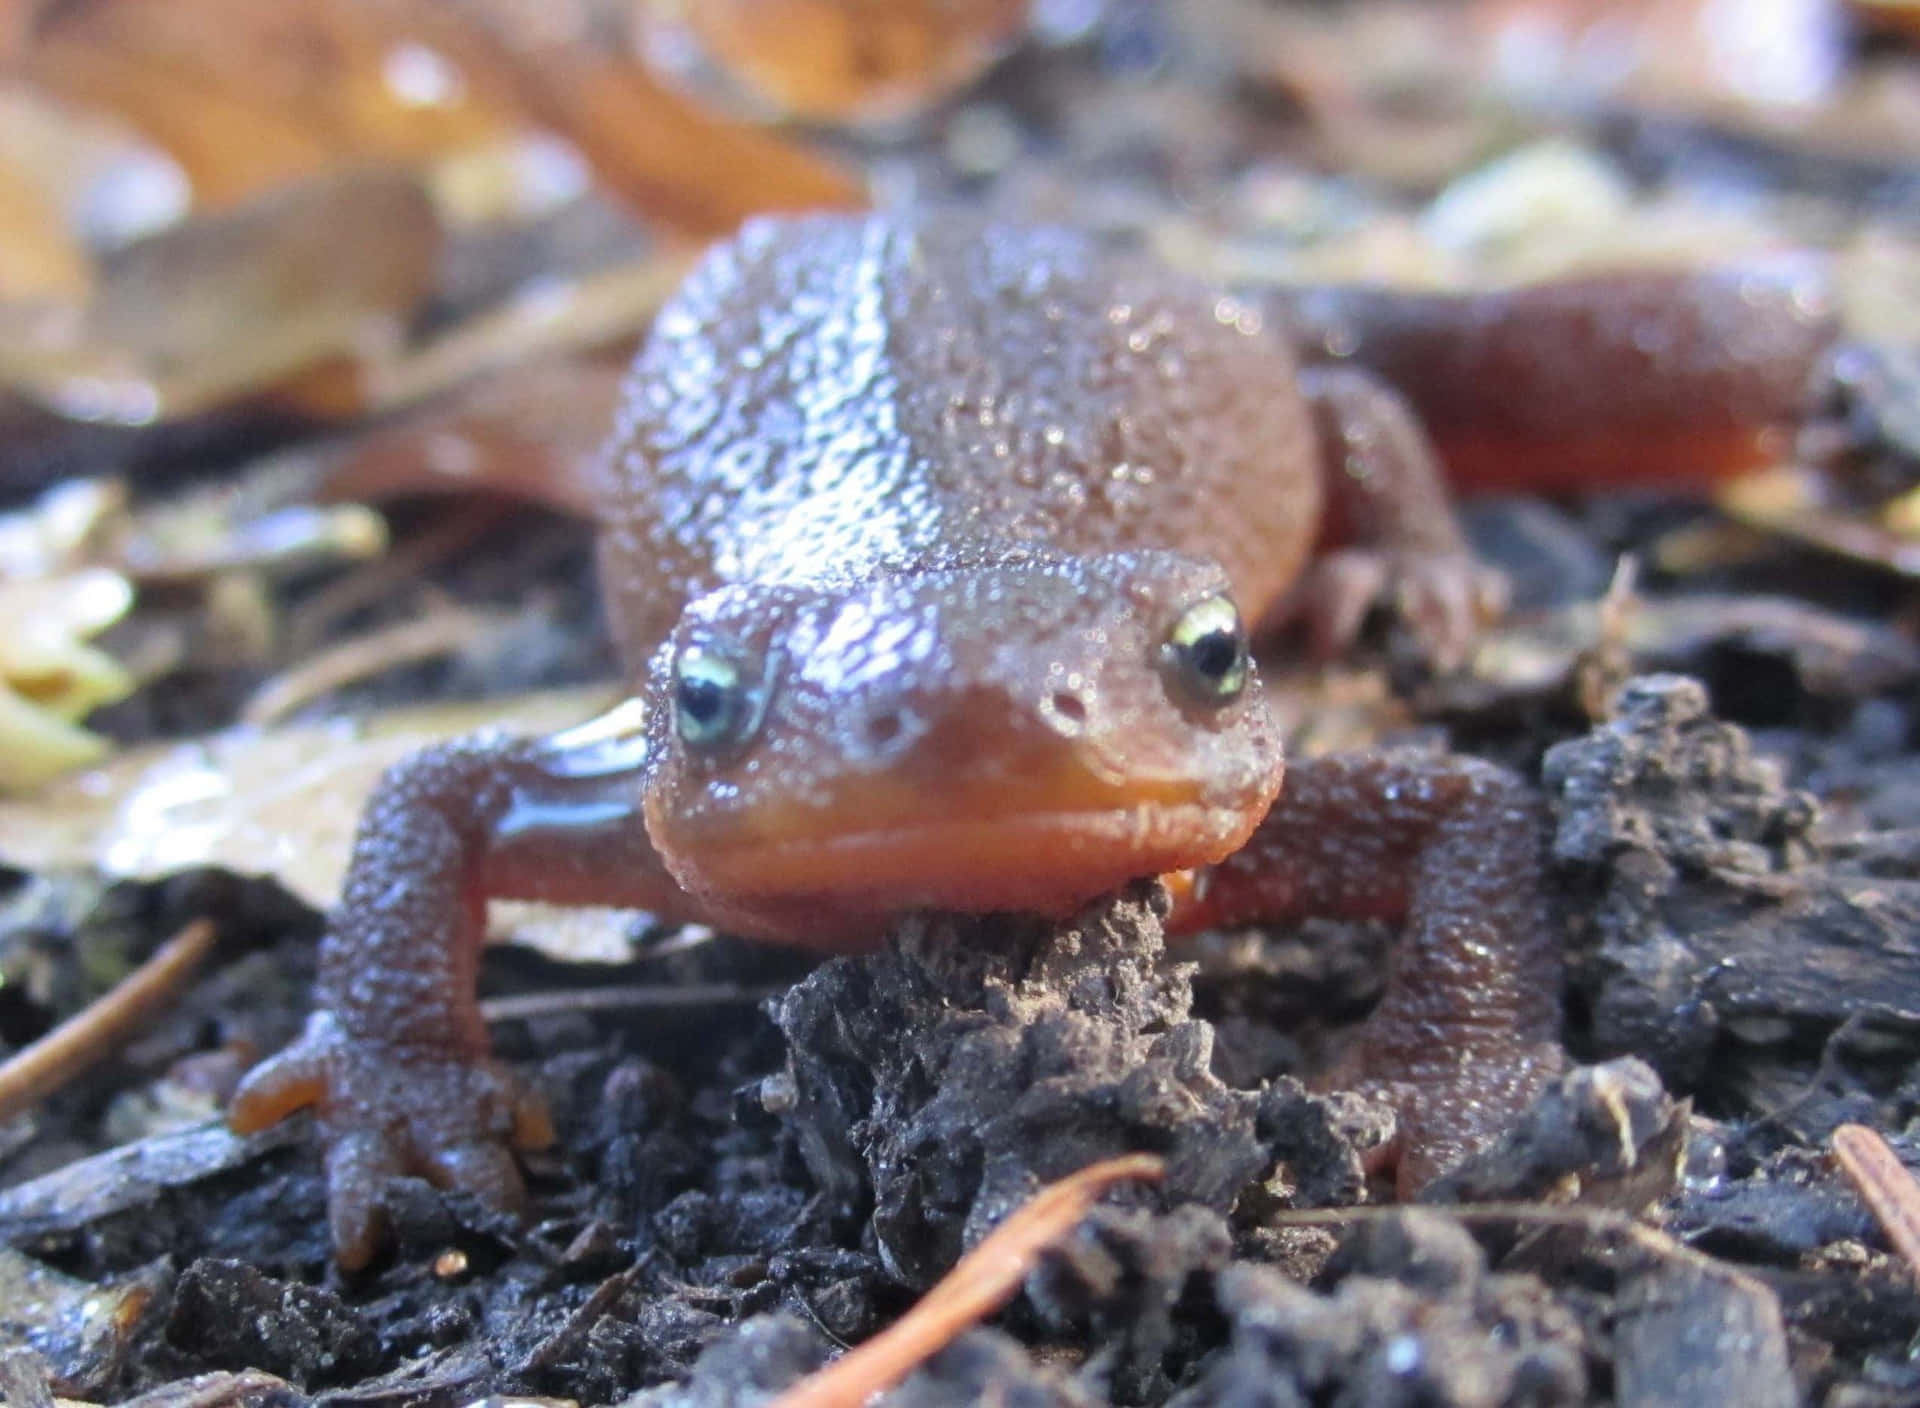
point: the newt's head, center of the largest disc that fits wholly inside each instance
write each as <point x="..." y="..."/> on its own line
<point x="1019" y="734"/>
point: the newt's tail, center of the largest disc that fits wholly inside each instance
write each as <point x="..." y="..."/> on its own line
<point x="1635" y="377"/>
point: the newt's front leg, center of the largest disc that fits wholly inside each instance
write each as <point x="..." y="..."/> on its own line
<point x="394" y="1057"/>
<point x="1450" y="848"/>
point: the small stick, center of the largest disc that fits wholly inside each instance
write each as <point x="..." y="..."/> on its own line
<point x="369" y="583"/>
<point x="404" y="643"/>
<point x="36" y="1071"/>
<point x="1884" y="1185"/>
<point x="980" y="1282"/>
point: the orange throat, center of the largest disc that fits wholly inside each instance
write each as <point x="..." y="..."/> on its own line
<point x="1041" y="863"/>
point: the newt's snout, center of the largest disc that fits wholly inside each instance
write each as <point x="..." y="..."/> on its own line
<point x="1020" y="735"/>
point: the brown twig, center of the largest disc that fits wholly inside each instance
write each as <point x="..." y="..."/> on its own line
<point x="442" y="632"/>
<point x="978" y="1285"/>
<point x="373" y="581"/>
<point x="36" y="1071"/>
<point x="1885" y="1186"/>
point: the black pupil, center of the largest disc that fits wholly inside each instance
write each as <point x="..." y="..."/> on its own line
<point x="1214" y="655"/>
<point x="703" y="701"/>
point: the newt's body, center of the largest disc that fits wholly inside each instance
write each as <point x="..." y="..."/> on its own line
<point x="933" y="552"/>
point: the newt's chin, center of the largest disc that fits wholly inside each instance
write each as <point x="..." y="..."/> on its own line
<point x="1045" y="862"/>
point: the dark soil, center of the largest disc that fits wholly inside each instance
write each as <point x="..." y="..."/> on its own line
<point x="743" y="1187"/>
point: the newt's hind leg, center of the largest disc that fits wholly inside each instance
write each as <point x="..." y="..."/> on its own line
<point x="1392" y="537"/>
<point x="1452" y="849"/>
<point x="394" y="1058"/>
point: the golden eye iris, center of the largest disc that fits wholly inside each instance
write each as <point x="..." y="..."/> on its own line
<point x="714" y="704"/>
<point x="1207" y="650"/>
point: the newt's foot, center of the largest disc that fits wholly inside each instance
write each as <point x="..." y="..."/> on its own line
<point x="1444" y="598"/>
<point x="1449" y="1111"/>
<point x="387" y="1110"/>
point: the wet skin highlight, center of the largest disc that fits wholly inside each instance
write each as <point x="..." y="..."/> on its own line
<point x="935" y="550"/>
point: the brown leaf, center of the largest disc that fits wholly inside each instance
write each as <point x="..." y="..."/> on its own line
<point x="225" y="304"/>
<point x="534" y="432"/>
<point x="73" y="182"/>
<point x="249" y="97"/>
<point x="282" y="803"/>
<point x="854" y="58"/>
<point x="667" y="158"/>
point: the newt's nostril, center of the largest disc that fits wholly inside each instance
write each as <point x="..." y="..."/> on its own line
<point x="885" y="728"/>
<point x="1067" y="711"/>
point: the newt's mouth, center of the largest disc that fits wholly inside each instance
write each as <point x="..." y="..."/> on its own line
<point x="1046" y="863"/>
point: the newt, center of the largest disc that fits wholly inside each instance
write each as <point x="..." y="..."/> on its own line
<point x="937" y="551"/>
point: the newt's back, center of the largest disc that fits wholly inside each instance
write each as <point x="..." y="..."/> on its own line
<point x="839" y="396"/>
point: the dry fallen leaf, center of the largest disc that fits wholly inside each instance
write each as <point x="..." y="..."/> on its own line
<point x="864" y="59"/>
<point x="40" y="262"/>
<point x="216" y="307"/>
<point x="251" y="97"/>
<point x="536" y="430"/>
<point x="281" y="803"/>
<point x="50" y="678"/>
<point x="105" y="184"/>
<point x="1800" y="506"/>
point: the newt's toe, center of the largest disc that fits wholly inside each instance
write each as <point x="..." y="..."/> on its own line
<point x="1443" y="598"/>
<point x="482" y="1168"/>
<point x="360" y="1164"/>
<point x="277" y="1088"/>
<point x="1335" y="597"/>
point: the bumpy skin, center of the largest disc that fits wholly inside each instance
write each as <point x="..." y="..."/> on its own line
<point x="1448" y="848"/>
<point x="943" y="499"/>
<point x="843" y="399"/>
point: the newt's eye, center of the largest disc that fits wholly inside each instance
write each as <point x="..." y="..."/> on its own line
<point x="1207" y="651"/>
<point x="715" y="704"/>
